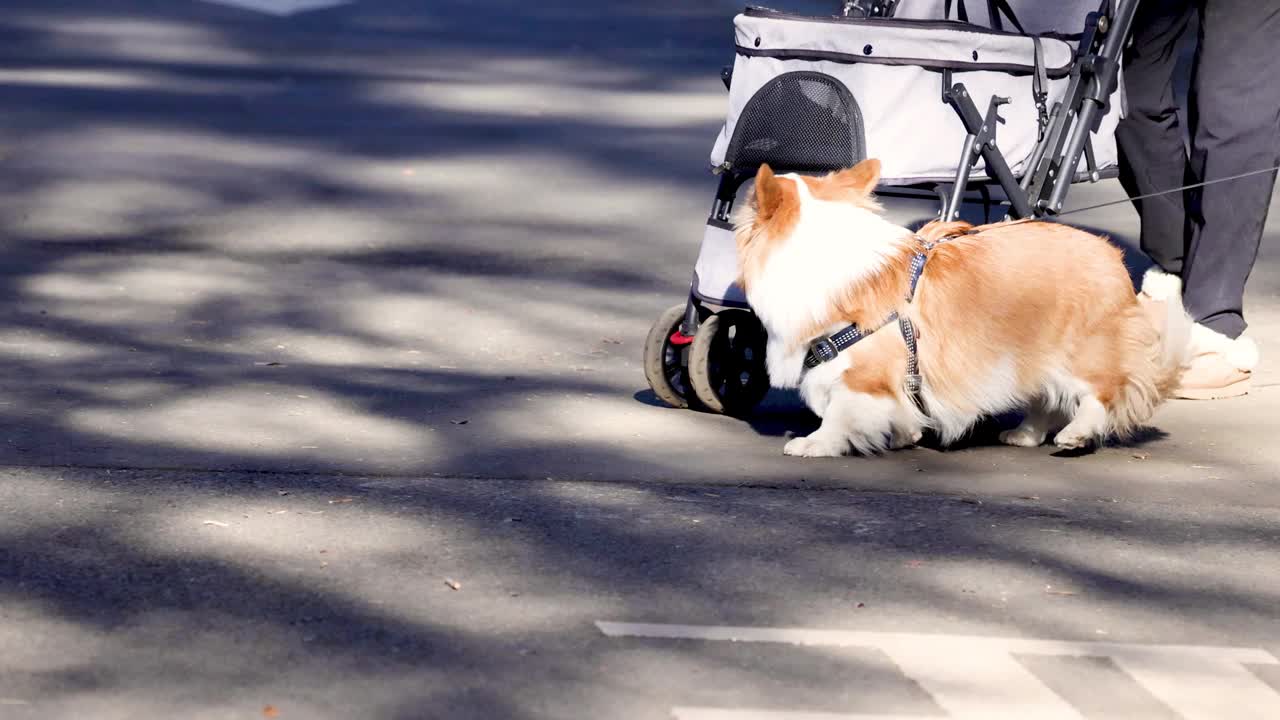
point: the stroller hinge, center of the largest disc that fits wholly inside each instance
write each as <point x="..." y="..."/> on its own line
<point x="980" y="142"/>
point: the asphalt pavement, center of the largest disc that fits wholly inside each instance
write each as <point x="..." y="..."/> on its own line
<point x="321" y="397"/>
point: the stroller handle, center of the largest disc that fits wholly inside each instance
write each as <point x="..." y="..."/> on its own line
<point x="867" y="8"/>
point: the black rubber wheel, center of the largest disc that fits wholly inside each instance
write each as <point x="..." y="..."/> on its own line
<point x="726" y="362"/>
<point x="664" y="363"/>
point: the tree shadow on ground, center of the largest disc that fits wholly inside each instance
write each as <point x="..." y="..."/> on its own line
<point x="372" y="252"/>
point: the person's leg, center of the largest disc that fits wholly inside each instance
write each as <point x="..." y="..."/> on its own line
<point x="1235" y="122"/>
<point x="1149" y="137"/>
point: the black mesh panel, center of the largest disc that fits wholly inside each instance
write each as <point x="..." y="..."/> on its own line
<point x="799" y="121"/>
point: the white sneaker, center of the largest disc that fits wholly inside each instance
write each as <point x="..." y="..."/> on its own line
<point x="1220" y="366"/>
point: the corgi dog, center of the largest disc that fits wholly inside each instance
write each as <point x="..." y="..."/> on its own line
<point x="1020" y="315"/>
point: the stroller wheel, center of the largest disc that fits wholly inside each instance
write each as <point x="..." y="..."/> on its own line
<point x="665" y="365"/>
<point x="726" y="362"/>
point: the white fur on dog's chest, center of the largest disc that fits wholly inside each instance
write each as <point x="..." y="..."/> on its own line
<point x="815" y="387"/>
<point x="833" y="246"/>
<point x="787" y="370"/>
<point x="786" y="364"/>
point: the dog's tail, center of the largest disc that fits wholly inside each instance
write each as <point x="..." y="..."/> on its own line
<point x="1165" y="361"/>
<point x="1173" y="353"/>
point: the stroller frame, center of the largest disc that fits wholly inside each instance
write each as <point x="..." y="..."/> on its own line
<point x="723" y="384"/>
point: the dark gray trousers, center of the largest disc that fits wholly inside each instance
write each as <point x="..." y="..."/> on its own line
<point x="1208" y="236"/>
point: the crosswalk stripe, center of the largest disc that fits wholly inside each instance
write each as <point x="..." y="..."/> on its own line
<point x="979" y="678"/>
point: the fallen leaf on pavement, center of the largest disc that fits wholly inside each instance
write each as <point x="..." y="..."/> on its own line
<point x="219" y="523"/>
<point x="1141" y="456"/>
<point x="270" y="711"/>
<point x="454" y="584"/>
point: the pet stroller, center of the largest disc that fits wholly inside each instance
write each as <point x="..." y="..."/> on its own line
<point x="905" y="82"/>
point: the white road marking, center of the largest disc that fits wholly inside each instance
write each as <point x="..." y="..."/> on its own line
<point x="696" y="713"/>
<point x="978" y="678"/>
<point x="1201" y="688"/>
<point x="977" y="681"/>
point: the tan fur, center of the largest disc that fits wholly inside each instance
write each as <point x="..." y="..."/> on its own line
<point x="1049" y="296"/>
<point x="852" y="185"/>
<point x="1041" y="298"/>
<point x="882" y="365"/>
<point x="765" y="222"/>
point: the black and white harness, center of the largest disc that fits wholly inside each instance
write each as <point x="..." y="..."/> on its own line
<point x="825" y="349"/>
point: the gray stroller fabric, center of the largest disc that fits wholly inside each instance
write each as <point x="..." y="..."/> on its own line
<point x="821" y="93"/>
<point x="715" y="276"/>
<point x="1037" y="17"/>
<point x="892" y="70"/>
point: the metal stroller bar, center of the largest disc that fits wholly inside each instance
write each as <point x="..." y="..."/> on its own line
<point x="1054" y="162"/>
<point x="980" y="142"/>
<point x="1103" y="69"/>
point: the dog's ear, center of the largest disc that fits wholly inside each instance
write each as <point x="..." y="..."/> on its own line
<point x="858" y="180"/>
<point x="768" y="193"/>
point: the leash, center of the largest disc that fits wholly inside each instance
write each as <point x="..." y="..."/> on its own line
<point x="1192" y="186"/>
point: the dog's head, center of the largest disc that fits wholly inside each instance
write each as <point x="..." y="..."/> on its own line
<point x="782" y="204"/>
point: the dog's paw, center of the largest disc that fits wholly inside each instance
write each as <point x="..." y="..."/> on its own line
<point x="814" y="447"/>
<point x="903" y="440"/>
<point x="1022" y="437"/>
<point x="1071" y="440"/>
